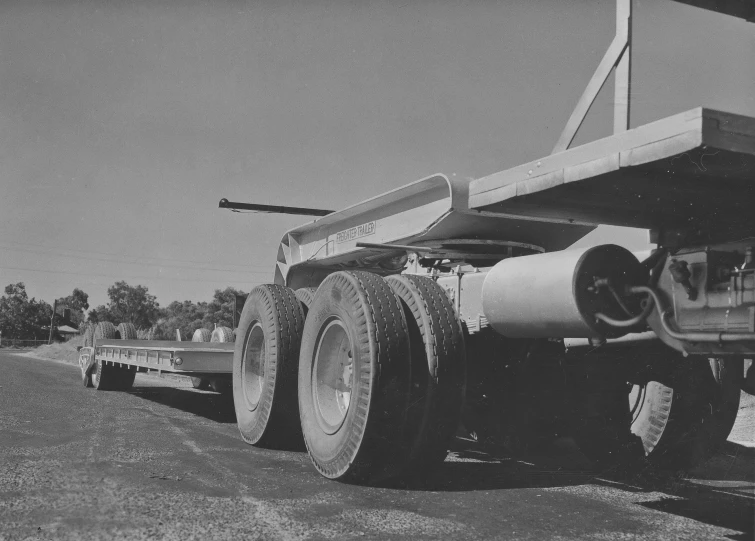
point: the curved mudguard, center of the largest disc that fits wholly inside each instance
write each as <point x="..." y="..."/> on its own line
<point x="432" y="209"/>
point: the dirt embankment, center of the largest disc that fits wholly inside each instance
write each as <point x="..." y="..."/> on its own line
<point x="62" y="351"/>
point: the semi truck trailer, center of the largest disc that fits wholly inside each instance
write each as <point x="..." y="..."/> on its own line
<point x="452" y="306"/>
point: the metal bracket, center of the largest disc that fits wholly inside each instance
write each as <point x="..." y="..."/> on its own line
<point x="618" y="57"/>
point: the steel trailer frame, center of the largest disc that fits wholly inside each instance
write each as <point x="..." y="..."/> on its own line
<point x="551" y="203"/>
<point x="178" y="357"/>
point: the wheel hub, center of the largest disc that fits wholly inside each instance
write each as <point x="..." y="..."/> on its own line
<point x="253" y="367"/>
<point x="332" y="376"/>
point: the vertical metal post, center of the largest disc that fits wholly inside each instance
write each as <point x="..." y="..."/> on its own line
<point x="618" y="60"/>
<point x="623" y="73"/>
<point x="52" y="321"/>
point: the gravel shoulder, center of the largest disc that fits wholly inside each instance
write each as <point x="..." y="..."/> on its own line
<point x="166" y="461"/>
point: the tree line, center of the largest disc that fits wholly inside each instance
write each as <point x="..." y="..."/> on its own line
<point x="26" y="318"/>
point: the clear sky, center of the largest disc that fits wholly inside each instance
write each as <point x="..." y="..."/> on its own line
<point x="124" y="122"/>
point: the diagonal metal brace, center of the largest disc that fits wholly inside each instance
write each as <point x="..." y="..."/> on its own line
<point x="617" y="56"/>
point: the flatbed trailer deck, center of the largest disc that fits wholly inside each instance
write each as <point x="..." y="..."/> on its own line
<point x="111" y="364"/>
<point x="184" y="358"/>
<point x="693" y="166"/>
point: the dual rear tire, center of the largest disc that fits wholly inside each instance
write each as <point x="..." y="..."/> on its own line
<point x="378" y="370"/>
<point x="381" y="376"/>
<point x="354" y="379"/>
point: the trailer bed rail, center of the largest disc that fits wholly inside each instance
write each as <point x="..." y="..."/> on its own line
<point x="169" y="356"/>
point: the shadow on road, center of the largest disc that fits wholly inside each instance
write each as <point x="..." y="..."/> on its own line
<point x="719" y="493"/>
<point x="213" y="406"/>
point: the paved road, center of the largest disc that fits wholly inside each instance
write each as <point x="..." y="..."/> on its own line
<point x="165" y="461"/>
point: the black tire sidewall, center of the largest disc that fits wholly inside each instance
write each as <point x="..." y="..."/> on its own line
<point x="331" y="450"/>
<point x="306" y="296"/>
<point x="702" y="412"/>
<point x="252" y="423"/>
<point x="275" y="419"/>
<point x="369" y="444"/>
<point x="99" y="380"/>
<point x="438" y="368"/>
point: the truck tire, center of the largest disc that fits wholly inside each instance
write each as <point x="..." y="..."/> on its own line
<point x="222" y="334"/>
<point x="89" y="336"/>
<point x="678" y="413"/>
<point x="438" y="369"/>
<point x="126" y="331"/>
<point x="354" y="378"/>
<point x="683" y="424"/>
<point x="306" y="295"/>
<point x="265" y="362"/>
<point x="201" y="335"/>
<point x="104" y="330"/>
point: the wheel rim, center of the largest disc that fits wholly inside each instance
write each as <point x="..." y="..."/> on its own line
<point x="253" y="367"/>
<point x="332" y="376"/>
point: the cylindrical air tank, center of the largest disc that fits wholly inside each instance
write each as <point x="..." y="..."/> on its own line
<point x="554" y="294"/>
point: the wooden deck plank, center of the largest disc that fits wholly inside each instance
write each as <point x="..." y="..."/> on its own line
<point x="658" y="174"/>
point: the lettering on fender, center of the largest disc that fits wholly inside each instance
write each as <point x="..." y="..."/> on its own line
<point x="355" y="232"/>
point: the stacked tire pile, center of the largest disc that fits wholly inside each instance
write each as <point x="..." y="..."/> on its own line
<point x="370" y="371"/>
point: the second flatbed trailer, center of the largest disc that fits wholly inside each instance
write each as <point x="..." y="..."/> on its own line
<point x="112" y="364"/>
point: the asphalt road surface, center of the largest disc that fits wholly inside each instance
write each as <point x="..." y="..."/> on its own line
<point x="165" y="461"/>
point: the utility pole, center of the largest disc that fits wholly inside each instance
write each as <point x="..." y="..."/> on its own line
<point x="52" y="320"/>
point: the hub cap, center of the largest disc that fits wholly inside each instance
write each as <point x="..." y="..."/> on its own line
<point x="332" y="376"/>
<point x="253" y="367"/>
